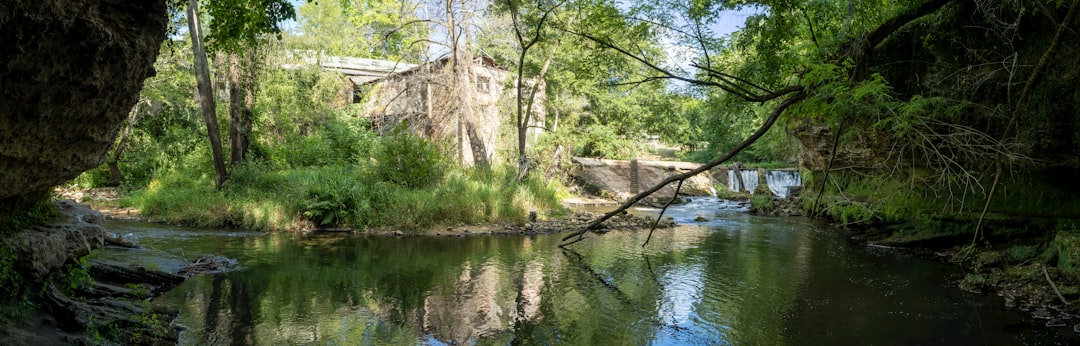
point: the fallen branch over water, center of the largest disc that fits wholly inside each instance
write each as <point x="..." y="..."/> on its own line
<point x="674" y="197"/>
<point x="595" y="224"/>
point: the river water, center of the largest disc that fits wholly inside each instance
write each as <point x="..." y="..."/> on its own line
<point x="735" y="279"/>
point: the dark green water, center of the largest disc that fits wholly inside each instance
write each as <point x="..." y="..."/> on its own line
<point x="741" y="280"/>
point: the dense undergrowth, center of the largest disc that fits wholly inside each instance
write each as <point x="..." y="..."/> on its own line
<point x="350" y="196"/>
<point x="398" y="181"/>
<point x="314" y="162"/>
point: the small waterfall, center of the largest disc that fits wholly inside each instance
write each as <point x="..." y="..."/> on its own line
<point x="712" y="191"/>
<point x="749" y="178"/>
<point x="780" y="182"/>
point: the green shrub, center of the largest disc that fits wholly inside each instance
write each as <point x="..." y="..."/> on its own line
<point x="333" y="193"/>
<point x="10" y="280"/>
<point x="603" y="142"/>
<point x="261" y="198"/>
<point x="761" y="202"/>
<point x="77" y="276"/>
<point x="1063" y="251"/>
<point x="408" y="160"/>
<point x="1022" y="253"/>
<point x="96" y="177"/>
<point x="18" y="213"/>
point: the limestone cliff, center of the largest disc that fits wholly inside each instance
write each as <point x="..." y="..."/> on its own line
<point x="69" y="73"/>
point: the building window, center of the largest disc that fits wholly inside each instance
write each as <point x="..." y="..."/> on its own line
<point x="483" y="84"/>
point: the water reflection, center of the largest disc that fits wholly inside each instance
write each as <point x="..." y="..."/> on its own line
<point x="744" y="280"/>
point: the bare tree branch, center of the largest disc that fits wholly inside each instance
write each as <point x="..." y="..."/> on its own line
<point x="795" y="97"/>
<point x="674" y="197"/>
<point x="724" y="83"/>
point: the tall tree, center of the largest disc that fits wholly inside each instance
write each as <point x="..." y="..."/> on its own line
<point x="237" y="26"/>
<point x="241" y="82"/>
<point x="114" y="159"/>
<point x="528" y="31"/>
<point x="206" y="92"/>
<point x="454" y="34"/>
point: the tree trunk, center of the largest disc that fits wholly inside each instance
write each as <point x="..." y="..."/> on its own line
<point x="241" y="102"/>
<point x="451" y="30"/>
<point x="467" y="85"/>
<point x="538" y="82"/>
<point x="206" y="93"/>
<point x="522" y="118"/>
<point x="114" y="159"/>
<point x="479" y="151"/>
<point x="236" y="110"/>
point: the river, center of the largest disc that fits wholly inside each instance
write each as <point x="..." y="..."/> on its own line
<point x="736" y="279"/>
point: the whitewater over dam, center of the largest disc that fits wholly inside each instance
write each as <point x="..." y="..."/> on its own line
<point x="779" y="181"/>
<point x="621" y="180"/>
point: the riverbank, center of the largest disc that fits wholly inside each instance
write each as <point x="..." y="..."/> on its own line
<point x="339" y="197"/>
<point x="1029" y="262"/>
<point x="108" y="202"/>
<point x="58" y="296"/>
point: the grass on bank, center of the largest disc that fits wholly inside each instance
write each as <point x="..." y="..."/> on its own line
<point x="349" y="196"/>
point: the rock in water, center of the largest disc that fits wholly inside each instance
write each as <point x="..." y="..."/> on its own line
<point x="69" y="73"/>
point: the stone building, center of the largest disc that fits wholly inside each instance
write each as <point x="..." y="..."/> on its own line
<point x="459" y="106"/>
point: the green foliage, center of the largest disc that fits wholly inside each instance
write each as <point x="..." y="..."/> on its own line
<point x="973" y="281"/>
<point x="408" y="160"/>
<point x="334" y="192"/>
<point x="344" y="196"/>
<point x="1063" y="251"/>
<point x="76" y="276"/>
<point x="340" y="142"/>
<point x="10" y="279"/>
<point x="18" y="213"/>
<point x="1021" y="253"/>
<point x="377" y="29"/>
<point x="762" y="203"/>
<point x="602" y="141"/>
<point x="97" y="177"/>
<point x="238" y="24"/>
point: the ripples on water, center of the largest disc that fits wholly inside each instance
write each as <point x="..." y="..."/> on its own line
<point x="734" y="279"/>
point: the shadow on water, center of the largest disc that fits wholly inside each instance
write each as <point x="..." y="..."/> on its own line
<point x="734" y="279"/>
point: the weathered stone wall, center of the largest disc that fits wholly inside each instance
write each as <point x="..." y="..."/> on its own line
<point x="425" y="97"/>
<point x="69" y="73"/>
<point x="617" y="180"/>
